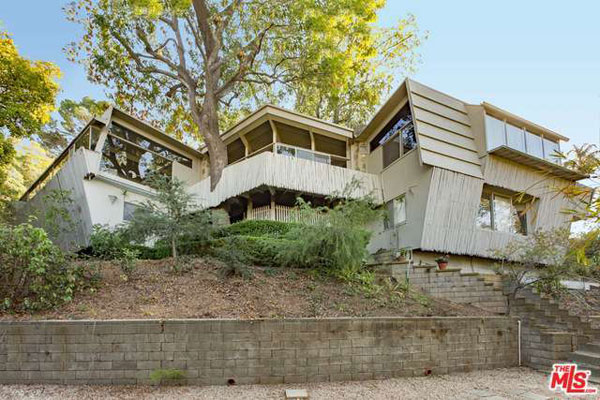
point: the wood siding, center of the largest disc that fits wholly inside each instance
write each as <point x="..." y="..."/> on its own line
<point x="443" y="131"/>
<point x="510" y="175"/>
<point x="453" y="201"/>
<point x="273" y="170"/>
<point x="69" y="177"/>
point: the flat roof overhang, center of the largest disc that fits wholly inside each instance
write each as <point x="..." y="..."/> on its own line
<point x="537" y="163"/>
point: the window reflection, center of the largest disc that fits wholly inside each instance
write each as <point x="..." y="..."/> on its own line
<point x="131" y="162"/>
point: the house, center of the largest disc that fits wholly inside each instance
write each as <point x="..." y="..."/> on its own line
<point x="456" y="178"/>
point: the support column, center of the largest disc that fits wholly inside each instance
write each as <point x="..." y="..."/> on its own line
<point x="249" y="207"/>
<point x="272" y="193"/>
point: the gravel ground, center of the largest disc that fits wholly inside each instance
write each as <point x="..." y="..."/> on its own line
<point x="513" y="383"/>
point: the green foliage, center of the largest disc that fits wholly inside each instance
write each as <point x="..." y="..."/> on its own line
<point x="259" y="250"/>
<point x="35" y="273"/>
<point x="128" y="261"/>
<point x="107" y="243"/>
<point x="170" y="217"/>
<point x="256" y="228"/>
<point x="27" y="91"/>
<point x="197" y="66"/>
<point x="74" y="115"/>
<point x="542" y="259"/>
<point x="159" y="376"/>
<point x="234" y="262"/>
<point x="55" y="216"/>
<point x="336" y="239"/>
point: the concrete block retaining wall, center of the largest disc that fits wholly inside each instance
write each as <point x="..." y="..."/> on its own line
<point x="262" y="351"/>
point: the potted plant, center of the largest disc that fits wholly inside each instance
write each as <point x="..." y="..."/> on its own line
<point x="442" y="262"/>
<point x="401" y="255"/>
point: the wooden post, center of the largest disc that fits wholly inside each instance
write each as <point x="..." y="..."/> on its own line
<point x="272" y="193"/>
<point x="312" y="140"/>
<point x="246" y="145"/>
<point x="249" y="208"/>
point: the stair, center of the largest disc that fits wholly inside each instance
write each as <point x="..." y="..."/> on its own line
<point x="588" y="357"/>
<point x="459" y="287"/>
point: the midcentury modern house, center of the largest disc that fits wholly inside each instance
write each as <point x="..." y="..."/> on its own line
<point x="456" y="178"/>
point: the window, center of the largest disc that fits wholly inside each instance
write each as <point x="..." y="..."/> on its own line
<point x="145" y="143"/>
<point x="502" y="213"/>
<point x="515" y="137"/>
<point x="498" y="133"/>
<point x="129" y="210"/>
<point x="495" y="133"/>
<point x="303" y="154"/>
<point x="550" y="149"/>
<point x="131" y="162"/>
<point x="83" y="140"/>
<point x="534" y="145"/>
<point x="95" y="135"/>
<point x="396" y="212"/>
<point x="397" y="137"/>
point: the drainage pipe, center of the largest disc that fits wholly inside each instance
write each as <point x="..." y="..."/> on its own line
<point x="519" y="343"/>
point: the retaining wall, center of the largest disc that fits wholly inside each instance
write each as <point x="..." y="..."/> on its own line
<point x="219" y="352"/>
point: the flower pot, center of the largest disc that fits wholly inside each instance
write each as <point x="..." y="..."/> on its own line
<point x="442" y="265"/>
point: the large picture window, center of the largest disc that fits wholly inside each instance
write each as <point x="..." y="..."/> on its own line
<point x="131" y="162"/>
<point x="145" y="143"/>
<point x="397" y="137"/>
<point x="135" y="157"/>
<point x="502" y="213"/>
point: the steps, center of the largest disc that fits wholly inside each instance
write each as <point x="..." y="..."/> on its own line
<point x="459" y="287"/>
<point x="588" y="357"/>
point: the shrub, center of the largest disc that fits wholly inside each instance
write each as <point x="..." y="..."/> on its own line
<point x="256" y="250"/>
<point x="107" y="243"/>
<point x="275" y="229"/>
<point x="171" y="217"/>
<point x="35" y="272"/>
<point x="336" y="240"/>
<point x="128" y="261"/>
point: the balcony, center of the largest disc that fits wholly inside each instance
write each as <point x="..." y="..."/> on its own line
<point x="284" y="172"/>
<point x="519" y="145"/>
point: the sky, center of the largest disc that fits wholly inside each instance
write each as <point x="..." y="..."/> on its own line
<point x="537" y="59"/>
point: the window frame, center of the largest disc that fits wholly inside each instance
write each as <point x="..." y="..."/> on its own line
<point x="390" y="222"/>
<point x="523" y="217"/>
<point x="144" y="150"/>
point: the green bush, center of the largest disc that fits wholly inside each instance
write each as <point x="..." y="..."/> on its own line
<point x="275" y="229"/>
<point x="35" y="272"/>
<point x="254" y="250"/>
<point x="336" y="241"/>
<point x="107" y="243"/>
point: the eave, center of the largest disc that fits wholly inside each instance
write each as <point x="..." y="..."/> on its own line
<point x="537" y="163"/>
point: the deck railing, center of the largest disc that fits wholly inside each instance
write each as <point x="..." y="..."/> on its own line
<point x="280" y="213"/>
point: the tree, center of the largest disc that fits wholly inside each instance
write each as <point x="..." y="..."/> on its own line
<point x="74" y="115"/>
<point x="27" y="92"/>
<point x="170" y="216"/>
<point x="194" y="61"/>
<point x="352" y="76"/>
<point x="30" y="160"/>
<point x="540" y="260"/>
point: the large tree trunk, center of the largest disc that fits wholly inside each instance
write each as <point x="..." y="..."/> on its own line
<point x="208" y="124"/>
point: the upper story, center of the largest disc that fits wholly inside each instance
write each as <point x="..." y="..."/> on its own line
<point x="456" y="177"/>
<point x="463" y="178"/>
<point x="119" y="148"/>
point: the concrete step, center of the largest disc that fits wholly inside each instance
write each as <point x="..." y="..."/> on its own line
<point x="585" y="357"/>
<point x="592" y="347"/>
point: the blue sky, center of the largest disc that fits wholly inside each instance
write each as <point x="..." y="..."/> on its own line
<point x="540" y="60"/>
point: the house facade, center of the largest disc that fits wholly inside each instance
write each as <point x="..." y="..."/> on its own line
<point x="456" y="178"/>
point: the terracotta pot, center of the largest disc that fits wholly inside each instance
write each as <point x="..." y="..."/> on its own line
<point x="442" y="265"/>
